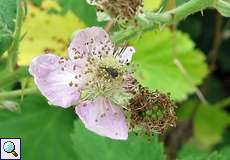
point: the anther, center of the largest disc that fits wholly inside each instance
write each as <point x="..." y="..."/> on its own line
<point x="71" y="84"/>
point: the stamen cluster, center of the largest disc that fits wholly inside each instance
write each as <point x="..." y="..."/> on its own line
<point x="104" y="69"/>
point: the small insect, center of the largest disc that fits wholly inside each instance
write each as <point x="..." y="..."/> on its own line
<point x="111" y="71"/>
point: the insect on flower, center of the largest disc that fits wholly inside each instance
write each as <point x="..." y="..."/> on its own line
<point x="112" y="72"/>
<point x="92" y="79"/>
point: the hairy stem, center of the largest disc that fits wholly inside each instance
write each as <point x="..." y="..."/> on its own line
<point x="223" y="103"/>
<point x="13" y="50"/>
<point x="10" y="77"/>
<point x="17" y="93"/>
<point x="223" y="6"/>
<point x="166" y="18"/>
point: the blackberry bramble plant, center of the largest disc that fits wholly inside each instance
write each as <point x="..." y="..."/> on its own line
<point x="133" y="73"/>
<point x="96" y="79"/>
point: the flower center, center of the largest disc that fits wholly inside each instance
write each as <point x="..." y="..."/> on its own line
<point x="105" y="75"/>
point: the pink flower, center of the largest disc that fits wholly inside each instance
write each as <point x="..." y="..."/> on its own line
<point x="92" y="79"/>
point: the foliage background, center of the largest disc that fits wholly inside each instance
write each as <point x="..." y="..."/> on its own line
<point x="51" y="133"/>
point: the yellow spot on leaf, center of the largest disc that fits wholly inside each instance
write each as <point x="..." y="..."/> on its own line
<point x="152" y="4"/>
<point x="46" y="31"/>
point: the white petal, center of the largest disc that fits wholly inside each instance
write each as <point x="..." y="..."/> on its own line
<point x="90" y="41"/>
<point x="102" y="16"/>
<point x="55" y="78"/>
<point x="126" y="56"/>
<point x="103" y="118"/>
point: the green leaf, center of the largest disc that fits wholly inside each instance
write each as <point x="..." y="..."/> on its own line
<point x="189" y="151"/>
<point x="8" y="12"/>
<point x="37" y="2"/>
<point x="152" y="5"/>
<point x="225" y="151"/>
<point x="209" y="124"/>
<point x="90" y="146"/>
<point x="180" y="2"/>
<point x="156" y="70"/>
<point x="192" y="152"/>
<point x="2" y="65"/>
<point x="7" y="23"/>
<point x="6" y="38"/>
<point x="44" y="129"/>
<point x="86" y="12"/>
<point x="40" y="39"/>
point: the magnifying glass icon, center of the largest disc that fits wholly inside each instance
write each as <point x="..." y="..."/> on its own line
<point x="9" y="147"/>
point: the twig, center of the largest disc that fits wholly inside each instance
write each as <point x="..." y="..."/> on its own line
<point x="10" y="77"/>
<point x="165" y="18"/>
<point x="216" y="42"/>
<point x="13" y="50"/>
<point x="185" y="73"/>
<point x="17" y="93"/>
<point x="182" y="68"/>
<point x="223" y="103"/>
<point x="213" y="52"/>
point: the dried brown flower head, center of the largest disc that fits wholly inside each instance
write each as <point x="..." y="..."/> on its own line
<point x="151" y="112"/>
<point x="121" y="10"/>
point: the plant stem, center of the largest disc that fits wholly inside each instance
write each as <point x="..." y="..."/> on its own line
<point x="166" y="18"/>
<point x="217" y="38"/>
<point x="192" y="6"/>
<point x="17" y="93"/>
<point x="223" y="103"/>
<point x="13" y="50"/>
<point x="216" y="42"/>
<point x="223" y="6"/>
<point x="153" y="19"/>
<point x="185" y="73"/>
<point x="9" y="77"/>
<point x="182" y="69"/>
